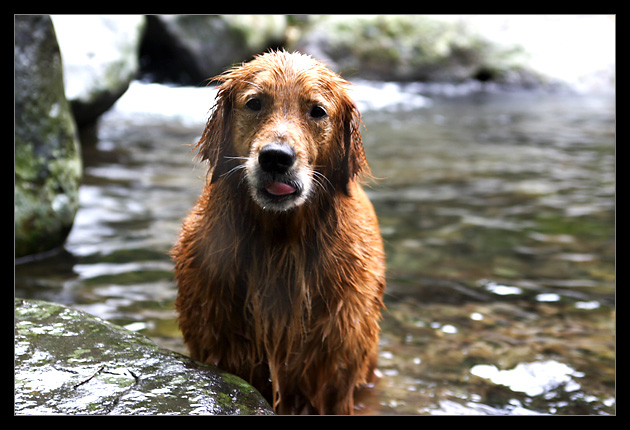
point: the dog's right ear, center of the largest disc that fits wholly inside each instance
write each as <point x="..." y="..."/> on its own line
<point x="216" y="137"/>
<point x="351" y="162"/>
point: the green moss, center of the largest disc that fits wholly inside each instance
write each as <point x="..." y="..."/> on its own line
<point x="238" y="382"/>
<point x="79" y="352"/>
<point x="32" y="311"/>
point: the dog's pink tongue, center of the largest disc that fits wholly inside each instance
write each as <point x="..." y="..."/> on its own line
<point x="279" y="189"/>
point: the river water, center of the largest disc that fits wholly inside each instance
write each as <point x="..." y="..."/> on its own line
<point x="498" y="213"/>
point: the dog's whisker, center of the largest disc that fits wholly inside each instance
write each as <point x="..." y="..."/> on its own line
<point x="320" y="185"/>
<point x="233" y="170"/>
<point x="321" y="175"/>
<point x="316" y="178"/>
<point x="236" y="158"/>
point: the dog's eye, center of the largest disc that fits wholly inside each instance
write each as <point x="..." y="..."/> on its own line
<point x="254" y="104"/>
<point x="317" y="112"/>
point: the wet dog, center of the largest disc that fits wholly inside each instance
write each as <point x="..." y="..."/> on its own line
<point x="280" y="265"/>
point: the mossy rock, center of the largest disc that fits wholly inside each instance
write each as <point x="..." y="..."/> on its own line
<point x="47" y="153"/>
<point x="69" y="362"/>
<point x="404" y="48"/>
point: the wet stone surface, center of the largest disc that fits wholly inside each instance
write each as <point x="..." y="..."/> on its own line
<point x="69" y="362"/>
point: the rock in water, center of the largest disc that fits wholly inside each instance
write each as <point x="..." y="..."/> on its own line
<point x="189" y="49"/>
<point x="69" y="362"/>
<point x="47" y="156"/>
<point x="100" y="59"/>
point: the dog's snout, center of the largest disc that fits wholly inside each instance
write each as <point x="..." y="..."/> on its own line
<point x="276" y="158"/>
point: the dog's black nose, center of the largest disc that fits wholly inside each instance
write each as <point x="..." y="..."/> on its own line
<point x="276" y="158"/>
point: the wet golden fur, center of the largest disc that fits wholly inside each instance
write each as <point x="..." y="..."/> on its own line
<point x="288" y="298"/>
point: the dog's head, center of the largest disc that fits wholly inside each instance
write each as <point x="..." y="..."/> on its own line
<point x="285" y="125"/>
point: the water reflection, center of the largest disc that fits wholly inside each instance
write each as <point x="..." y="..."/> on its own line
<point x="497" y="212"/>
<point x="532" y="379"/>
<point x="498" y="216"/>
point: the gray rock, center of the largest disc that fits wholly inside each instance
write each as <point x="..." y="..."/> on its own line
<point x="404" y="48"/>
<point x="188" y="49"/>
<point x="47" y="155"/>
<point x="100" y="59"/>
<point x="69" y="362"/>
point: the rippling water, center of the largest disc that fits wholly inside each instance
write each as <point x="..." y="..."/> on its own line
<point x="497" y="210"/>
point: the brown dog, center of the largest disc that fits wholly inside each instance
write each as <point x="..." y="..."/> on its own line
<point x="280" y="265"/>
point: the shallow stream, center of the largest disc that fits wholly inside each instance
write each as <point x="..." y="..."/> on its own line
<point x="498" y="213"/>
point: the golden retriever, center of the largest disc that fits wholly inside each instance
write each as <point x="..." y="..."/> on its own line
<point x="280" y="264"/>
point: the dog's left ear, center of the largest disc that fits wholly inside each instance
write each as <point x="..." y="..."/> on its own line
<point x="353" y="161"/>
<point x="216" y="138"/>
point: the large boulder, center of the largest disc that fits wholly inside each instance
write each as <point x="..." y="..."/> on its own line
<point x="47" y="155"/>
<point x="69" y="362"/>
<point x="189" y="49"/>
<point x="405" y="48"/>
<point x="100" y="59"/>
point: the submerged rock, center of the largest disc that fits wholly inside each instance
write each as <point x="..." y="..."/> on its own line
<point x="47" y="154"/>
<point x="69" y="362"/>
